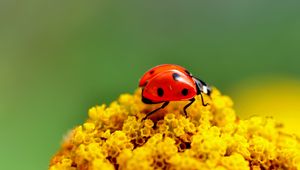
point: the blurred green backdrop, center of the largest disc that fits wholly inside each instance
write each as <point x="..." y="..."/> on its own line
<point x="58" y="58"/>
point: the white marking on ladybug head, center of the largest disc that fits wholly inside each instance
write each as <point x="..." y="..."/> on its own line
<point x="205" y="89"/>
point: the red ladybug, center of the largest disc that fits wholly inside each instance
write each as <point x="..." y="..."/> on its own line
<point x="169" y="82"/>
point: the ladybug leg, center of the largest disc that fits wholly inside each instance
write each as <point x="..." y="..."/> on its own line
<point x="188" y="105"/>
<point x="204" y="104"/>
<point x="153" y="111"/>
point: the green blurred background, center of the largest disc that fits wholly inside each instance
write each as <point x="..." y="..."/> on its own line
<point x="58" y="58"/>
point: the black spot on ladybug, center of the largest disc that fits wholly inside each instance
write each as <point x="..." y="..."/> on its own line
<point x="175" y="76"/>
<point x="151" y="72"/>
<point x="184" y="91"/>
<point x="160" y="92"/>
<point x="187" y="72"/>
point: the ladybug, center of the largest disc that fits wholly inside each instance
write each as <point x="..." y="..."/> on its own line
<point x="169" y="82"/>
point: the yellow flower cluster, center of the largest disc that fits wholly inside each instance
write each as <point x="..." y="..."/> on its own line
<point x="211" y="137"/>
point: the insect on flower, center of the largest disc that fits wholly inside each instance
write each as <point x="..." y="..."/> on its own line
<point x="169" y="82"/>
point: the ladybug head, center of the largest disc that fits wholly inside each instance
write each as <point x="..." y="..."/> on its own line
<point x="202" y="86"/>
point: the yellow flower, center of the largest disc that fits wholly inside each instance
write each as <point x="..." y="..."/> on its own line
<point x="276" y="96"/>
<point x="211" y="137"/>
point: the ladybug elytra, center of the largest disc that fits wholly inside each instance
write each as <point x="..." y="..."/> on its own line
<point x="169" y="82"/>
